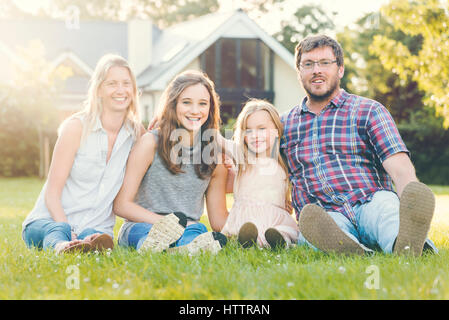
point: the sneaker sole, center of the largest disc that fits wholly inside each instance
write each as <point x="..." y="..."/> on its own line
<point x="102" y="242"/>
<point x="275" y="239"/>
<point x="416" y="210"/>
<point x="78" y="248"/>
<point x="205" y="242"/>
<point x="322" y="232"/>
<point x="163" y="233"/>
<point x="248" y="235"/>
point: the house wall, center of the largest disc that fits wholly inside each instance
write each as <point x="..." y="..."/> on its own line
<point x="288" y="91"/>
<point x="149" y="101"/>
<point x="287" y="88"/>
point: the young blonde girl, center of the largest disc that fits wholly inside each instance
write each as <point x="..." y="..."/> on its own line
<point x="258" y="214"/>
<point x="74" y="208"/>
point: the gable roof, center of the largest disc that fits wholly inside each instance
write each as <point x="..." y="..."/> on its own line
<point x="10" y="54"/>
<point x="80" y="64"/>
<point x="92" y="40"/>
<point x="192" y="38"/>
<point x="172" y="48"/>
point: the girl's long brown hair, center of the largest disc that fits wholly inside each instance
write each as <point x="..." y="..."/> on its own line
<point x="168" y="121"/>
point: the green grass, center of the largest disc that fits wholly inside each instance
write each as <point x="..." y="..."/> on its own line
<point x="234" y="273"/>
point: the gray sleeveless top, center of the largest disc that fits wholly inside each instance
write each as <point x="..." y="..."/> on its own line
<point x="164" y="192"/>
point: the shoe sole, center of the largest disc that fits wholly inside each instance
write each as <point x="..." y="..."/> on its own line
<point x="205" y="242"/>
<point x="247" y="236"/>
<point x="275" y="239"/>
<point x="163" y="233"/>
<point x="416" y="210"/>
<point x="321" y="231"/>
<point x="78" y="248"/>
<point x="102" y="242"/>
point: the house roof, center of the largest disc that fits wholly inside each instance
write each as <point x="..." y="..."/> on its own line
<point x="92" y="40"/>
<point x="173" y="48"/>
<point x="189" y="39"/>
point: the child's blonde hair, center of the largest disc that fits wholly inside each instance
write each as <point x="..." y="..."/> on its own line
<point x="93" y="106"/>
<point x="251" y="107"/>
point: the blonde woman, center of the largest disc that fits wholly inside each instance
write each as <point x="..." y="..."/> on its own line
<point x="74" y="208"/>
<point x="258" y="214"/>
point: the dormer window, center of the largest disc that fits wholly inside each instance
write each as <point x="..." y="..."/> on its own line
<point x="240" y="69"/>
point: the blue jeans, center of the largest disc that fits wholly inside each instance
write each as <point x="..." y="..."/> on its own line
<point x="138" y="233"/>
<point x="377" y="221"/>
<point x="46" y="233"/>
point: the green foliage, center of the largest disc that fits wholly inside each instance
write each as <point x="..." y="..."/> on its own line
<point x="367" y="75"/>
<point x="427" y="140"/>
<point x="163" y="13"/>
<point x="307" y="20"/>
<point x="28" y="112"/>
<point x="429" y="67"/>
<point x="19" y="154"/>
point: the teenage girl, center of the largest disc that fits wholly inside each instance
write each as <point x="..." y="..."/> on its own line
<point x="170" y="173"/>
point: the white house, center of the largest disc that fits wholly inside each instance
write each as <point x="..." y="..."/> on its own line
<point x="237" y="54"/>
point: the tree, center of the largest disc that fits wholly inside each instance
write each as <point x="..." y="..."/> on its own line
<point x="307" y="20"/>
<point x="366" y="75"/>
<point x="9" y="10"/>
<point x="429" y="67"/>
<point x="163" y="13"/>
<point x="28" y="113"/>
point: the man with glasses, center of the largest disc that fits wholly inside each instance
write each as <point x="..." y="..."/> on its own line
<point x="344" y="153"/>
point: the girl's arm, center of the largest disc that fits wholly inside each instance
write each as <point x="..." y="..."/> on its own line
<point x="64" y="153"/>
<point x="216" y="198"/>
<point x="140" y="158"/>
<point x="230" y="148"/>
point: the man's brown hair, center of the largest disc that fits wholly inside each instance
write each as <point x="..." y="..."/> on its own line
<point x="318" y="41"/>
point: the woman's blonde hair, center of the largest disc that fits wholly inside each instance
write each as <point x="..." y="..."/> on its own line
<point x="251" y="107"/>
<point x="93" y="106"/>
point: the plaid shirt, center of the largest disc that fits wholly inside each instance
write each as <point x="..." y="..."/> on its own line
<point x="335" y="158"/>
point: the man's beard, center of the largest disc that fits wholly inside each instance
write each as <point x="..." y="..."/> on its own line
<point x="324" y="96"/>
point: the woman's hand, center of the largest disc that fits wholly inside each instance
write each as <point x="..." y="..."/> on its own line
<point x="154" y="123"/>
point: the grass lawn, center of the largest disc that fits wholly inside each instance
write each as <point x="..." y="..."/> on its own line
<point x="234" y="273"/>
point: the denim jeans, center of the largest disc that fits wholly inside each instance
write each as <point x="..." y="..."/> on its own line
<point x="377" y="221"/>
<point x="139" y="231"/>
<point x="45" y="233"/>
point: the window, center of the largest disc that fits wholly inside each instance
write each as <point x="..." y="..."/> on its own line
<point x="248" y="63"/>
<point x="243" y="64"/>
<point x="240" y="69"/>
<point x="228" y="63"/>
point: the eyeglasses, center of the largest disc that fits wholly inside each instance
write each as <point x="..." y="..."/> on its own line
<point x="325" y="63"/>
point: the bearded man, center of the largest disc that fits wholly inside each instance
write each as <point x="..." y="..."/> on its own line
<point x="344" y="152"/>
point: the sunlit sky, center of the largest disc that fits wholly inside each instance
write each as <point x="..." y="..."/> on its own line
<point x="347" y="11"/>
